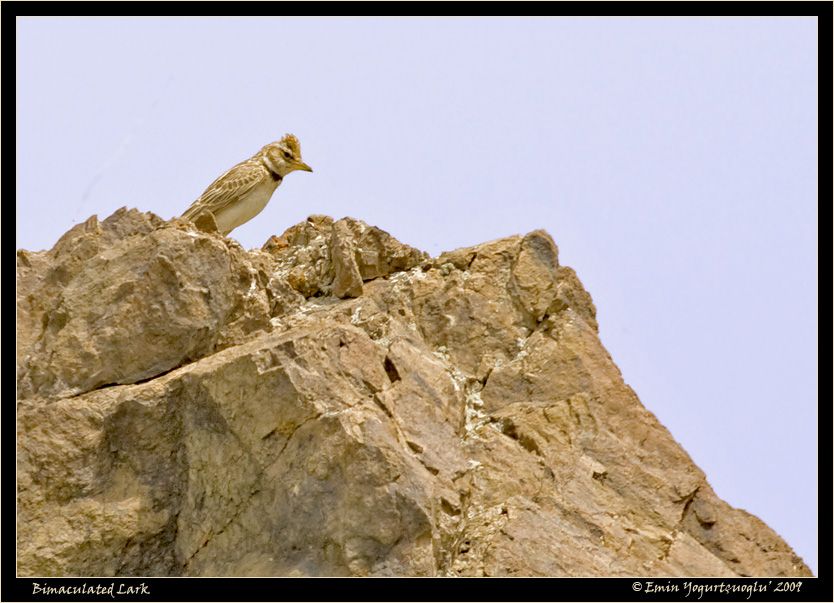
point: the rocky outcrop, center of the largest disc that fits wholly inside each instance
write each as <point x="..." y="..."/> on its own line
<point x="338" y="403"/>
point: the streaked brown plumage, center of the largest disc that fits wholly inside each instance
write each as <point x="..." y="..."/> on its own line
<point x="242" y="192"/>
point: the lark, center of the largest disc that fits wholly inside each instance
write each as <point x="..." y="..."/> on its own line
<point x="242" y="192"/>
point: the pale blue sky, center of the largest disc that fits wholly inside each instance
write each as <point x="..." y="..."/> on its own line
<point x="673" y="161"/>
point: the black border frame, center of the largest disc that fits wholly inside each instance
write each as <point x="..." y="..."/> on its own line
<point x="416" y="589"/>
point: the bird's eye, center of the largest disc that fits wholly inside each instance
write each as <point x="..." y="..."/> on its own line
<point x="287" y="155"/>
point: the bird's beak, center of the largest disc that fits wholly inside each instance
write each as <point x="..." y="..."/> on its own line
<point x="303" y="166"/>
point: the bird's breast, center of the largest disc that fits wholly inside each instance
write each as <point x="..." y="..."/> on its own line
<point x="246" y="208"/>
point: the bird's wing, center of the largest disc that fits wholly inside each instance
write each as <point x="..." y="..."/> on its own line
<point x="231" y="185"/>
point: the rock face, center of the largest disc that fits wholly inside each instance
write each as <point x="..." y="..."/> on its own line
<point x="339" y="404"/>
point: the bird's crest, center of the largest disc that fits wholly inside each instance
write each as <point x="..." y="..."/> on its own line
<point x="292" y="143"/>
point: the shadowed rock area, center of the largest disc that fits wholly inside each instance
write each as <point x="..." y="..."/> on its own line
<point x="337" y="403"/>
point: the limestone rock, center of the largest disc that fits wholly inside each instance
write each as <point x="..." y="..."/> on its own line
<point x="338" y="404"/>
<point x="347" y="282"/>
<point x="323" y="256"/>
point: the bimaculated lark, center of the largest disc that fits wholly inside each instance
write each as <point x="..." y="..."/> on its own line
<point x="242" y="192"/>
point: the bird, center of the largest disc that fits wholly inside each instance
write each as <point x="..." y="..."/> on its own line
<point x="242" y="192"/>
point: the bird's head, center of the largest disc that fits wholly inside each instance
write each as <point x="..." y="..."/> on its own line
<point x="284" y="156"/>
